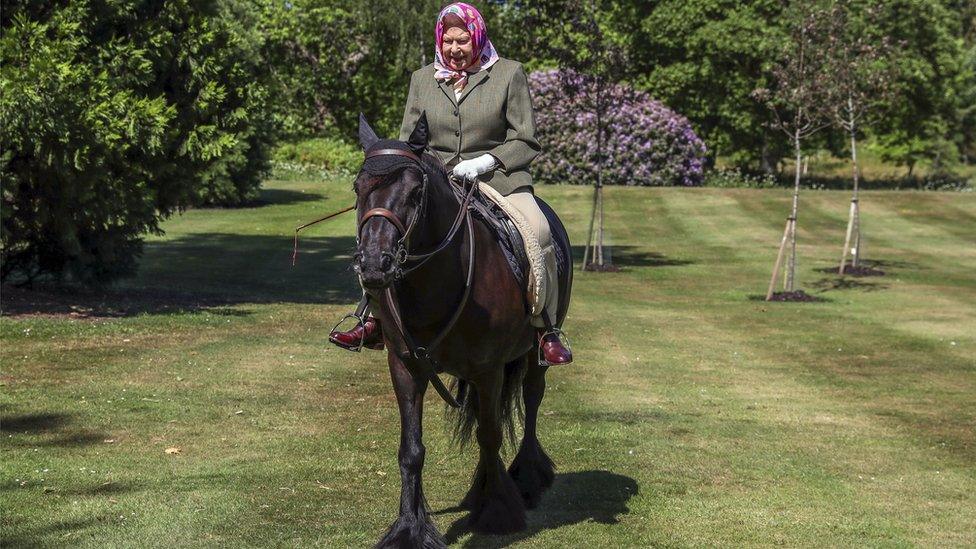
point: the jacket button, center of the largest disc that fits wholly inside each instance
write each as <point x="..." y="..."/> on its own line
<point x="457" y="132"/>
<point x="455" y="112"/>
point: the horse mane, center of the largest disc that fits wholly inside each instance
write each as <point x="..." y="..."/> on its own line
<point x="433" y="163"/>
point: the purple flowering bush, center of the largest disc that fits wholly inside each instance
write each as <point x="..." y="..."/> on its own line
<point x="646" y="142"/>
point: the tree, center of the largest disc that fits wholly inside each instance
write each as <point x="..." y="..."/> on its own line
<point x="703" y="59"/>
<point x="921" y="120"/>
<point x="582" y="46"/>
<point x="112" y="117"/>
<point x="797" y="101"/>
<point x="332" y="59"/>
<point x="966" y="110"/>
<point x="858" y="77"/>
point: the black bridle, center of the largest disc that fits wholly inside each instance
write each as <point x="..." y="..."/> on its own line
<point x="406" y="262"/>
<point x="401" y="254"/>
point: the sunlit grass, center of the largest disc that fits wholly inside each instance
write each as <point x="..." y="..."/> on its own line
<point x="694" y="415"/>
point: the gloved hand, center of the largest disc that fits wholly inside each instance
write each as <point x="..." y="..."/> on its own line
<point x="471" y="169"/>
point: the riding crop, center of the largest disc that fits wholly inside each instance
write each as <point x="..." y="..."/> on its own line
<point x="294" y="255"/>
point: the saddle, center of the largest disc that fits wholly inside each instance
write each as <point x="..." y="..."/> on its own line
<point x="506" y="235"/>
<point x="526" y="262"/>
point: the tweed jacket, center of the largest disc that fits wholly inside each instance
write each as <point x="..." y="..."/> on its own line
<point x="493" y="115"/>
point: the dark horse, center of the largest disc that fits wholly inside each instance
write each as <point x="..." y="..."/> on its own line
<point x="406" y="210"/>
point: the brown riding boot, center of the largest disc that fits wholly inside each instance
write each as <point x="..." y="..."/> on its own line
<point x="553" y="351"/>
<point x="368" y="333"/>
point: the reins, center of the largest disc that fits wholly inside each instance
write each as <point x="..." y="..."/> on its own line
<point x="403" y="257"/>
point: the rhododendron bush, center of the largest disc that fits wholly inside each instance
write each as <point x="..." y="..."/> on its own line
<point x="646" y="143"/>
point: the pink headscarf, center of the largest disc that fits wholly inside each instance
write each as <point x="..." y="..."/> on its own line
<point x="484" y="54"/>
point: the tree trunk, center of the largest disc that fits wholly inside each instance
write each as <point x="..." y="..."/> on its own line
<point x="856" y="200"/>
<point x="765" y="162"/>
<point x="598" y="251"/>
<point x="779" y="260"/>
<point x="791" y="266"/>
<point x="589" y="233"/>
<point x="858" y="240"/>
<point x="595" y="236"/>
<point x="599" y="233"/>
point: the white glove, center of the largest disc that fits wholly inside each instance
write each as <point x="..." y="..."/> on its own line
<point x="471" y="169"/>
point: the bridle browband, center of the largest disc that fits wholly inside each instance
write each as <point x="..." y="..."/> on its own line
<point x="402" y="257"/>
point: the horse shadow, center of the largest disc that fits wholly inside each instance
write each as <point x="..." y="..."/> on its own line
<point x="584" y="496"/>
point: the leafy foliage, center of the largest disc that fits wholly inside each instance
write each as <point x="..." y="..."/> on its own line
<point x="921" y="120"/>
<point x="330" y="155"/>
<point x="647" y="143"/>
<point x="704" y="58"/>
<point x="332" y="59"/>
<point x="114" y="115"/>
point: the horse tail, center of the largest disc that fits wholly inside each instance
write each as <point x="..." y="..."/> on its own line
<point x="463" y="420"/>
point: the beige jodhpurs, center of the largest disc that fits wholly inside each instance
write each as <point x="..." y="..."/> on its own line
<point x="527" y="206"/>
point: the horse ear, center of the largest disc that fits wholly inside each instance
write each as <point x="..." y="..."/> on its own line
<point x="367" y="137"/>
<point x="419" y="137"/>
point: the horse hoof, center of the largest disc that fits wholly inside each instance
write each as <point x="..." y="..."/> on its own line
<point x="411" y="532"/>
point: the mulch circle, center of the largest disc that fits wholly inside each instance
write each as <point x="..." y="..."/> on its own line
<point x="797" y="295"/>
<point x="862" y="270"/>
<point x="607" y="268"/>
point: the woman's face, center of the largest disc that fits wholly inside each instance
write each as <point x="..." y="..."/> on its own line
<point x="457" y="48"/>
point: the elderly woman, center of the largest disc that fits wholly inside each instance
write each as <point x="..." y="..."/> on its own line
<point x="482" y="127"/>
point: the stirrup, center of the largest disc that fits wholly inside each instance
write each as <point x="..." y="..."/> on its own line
<point x="563" y="339"/>
<point x="361" y="322"/>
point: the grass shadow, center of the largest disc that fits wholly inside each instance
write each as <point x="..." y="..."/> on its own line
<point x="37" y="430"/>
<point x="880" y="264"/>
<point x="633" y="256"/>
<point x="830" y="284"/>
<point x="281" y="197"/>
<point x="871" y="267"/>
<point x="38" y="537"/>
<point x="32" y="423"/>
<point x="584" y="496"/>
<point x="778" y="298"/>
<point x="209" y="271"/>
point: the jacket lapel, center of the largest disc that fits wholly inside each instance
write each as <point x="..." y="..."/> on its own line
<point x="473" y="82"/>
<point x="448" y="92"/>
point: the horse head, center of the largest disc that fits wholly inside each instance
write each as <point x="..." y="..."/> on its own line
<point x="391" y="195"/>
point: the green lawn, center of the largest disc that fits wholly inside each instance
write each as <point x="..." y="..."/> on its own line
<point x="694" y="415"/>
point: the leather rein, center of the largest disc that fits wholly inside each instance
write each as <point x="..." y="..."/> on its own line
<point x="407" y="262"/>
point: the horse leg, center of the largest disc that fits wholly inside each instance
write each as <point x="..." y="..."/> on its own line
<point x="413" y="528"/>
<point x="532" y="470"/>
<point x="495" y="504"/>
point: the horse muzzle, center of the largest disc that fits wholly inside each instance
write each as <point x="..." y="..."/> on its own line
<point x="376" y="270"/>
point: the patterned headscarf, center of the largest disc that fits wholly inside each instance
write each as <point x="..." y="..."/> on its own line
<point x="483" y="52"/>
